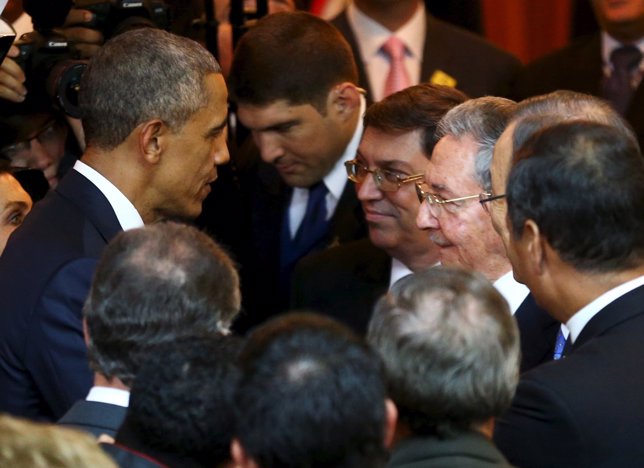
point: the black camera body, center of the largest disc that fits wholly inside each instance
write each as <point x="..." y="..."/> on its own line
<point x="52" y="70"/>
<point x="113" y="17"/>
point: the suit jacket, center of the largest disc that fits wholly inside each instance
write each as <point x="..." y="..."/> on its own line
<point x="128" y="458"/>
<point x="94" y="417"/>
<point x="465" y="450"/>
<point x="585" y="410"/>
<point x="45" y="274"/>
<point x="538" y="331"/>
<point x="343" y="282"/>
<point x="577" y="67"/>
<point x="478" y="67"/>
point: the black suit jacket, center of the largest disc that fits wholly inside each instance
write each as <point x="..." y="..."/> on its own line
<point x="265" y="198"/>
<point x="343" y="282"/>
<point x="94" y="417"/>
<point x="577" y="67"/>
<point x="585" y="410"/>
<point x="45" y="274"/>
<point x="479" y="67"/>
<point x="464" y="450"/>
<point x="538" y="331"/>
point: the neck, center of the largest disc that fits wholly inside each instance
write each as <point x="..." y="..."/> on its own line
<point x="417" y="260"/>
<point x="101" y="380"/>
<point x="573" y="290"/>
<point x="393" y="15"/>
<point x="495" y="267"/>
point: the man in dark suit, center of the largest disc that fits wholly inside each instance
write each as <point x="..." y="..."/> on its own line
<point x="293" y="79"/>
<point x="451" y="354"/>
<point x="345" y="282"/>
<point x="532" y="113"/>
<point x="435" y="51"/>
<point x="159" y="284"/>
<point x="586" y="66"/>
<point x="155" y="125"/>
<point x="456" y="179"/>
<point x="583" y="259"/>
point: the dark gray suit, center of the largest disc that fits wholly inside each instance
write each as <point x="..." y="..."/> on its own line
<point x="465" y="450"/>
<point x="94" y="417"/>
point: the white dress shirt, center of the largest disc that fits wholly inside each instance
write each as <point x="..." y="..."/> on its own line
<point x="127" y="215"/>
<point x="577" y="322"/>
<point x="371" y="36"/>
<point x="113" y="396"/>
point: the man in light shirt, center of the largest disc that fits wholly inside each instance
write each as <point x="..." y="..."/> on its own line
<point x="457" y="179"/>
<point x="154" y="113"/>
<point x="575" y="200"/>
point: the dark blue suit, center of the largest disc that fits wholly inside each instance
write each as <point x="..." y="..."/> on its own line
<point x="538" y="332"/>
<point x="94" y="417"/>
<point x="585" y="410"/>
<point x="45" y="274"/>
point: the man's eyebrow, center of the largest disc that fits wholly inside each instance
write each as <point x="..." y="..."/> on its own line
<point x="279" y="126"/>
<point x="214" y="131"/>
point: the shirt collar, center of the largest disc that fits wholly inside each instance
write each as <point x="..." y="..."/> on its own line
<point x="126" y="213"/>
<point x="577" y="322"/>
<point x="609" y="43"/>
<point x="113" y="396"/>
<point x="372" y="35"/>
<point x="336" y="179"/>
<point x="511" y="290"/>
<point x="398" y="271"/>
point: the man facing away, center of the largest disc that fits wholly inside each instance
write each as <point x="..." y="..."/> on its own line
<point x="154" y="113"/>
<point x="451" y="354"/>
<point x="159" y="284"/>
<point x="583" y="259"/>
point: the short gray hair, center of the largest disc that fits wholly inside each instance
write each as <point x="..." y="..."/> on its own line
<point x="450" y="348"/>
<point x="141" y="75"/>
<point x="482" y="119"/>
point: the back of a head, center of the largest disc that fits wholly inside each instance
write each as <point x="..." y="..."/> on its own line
<point x="418" y="107"/>
<point x="582" y="183"/>
<point x="154" y="285"/>
<point x="538" y="112"/>
<point x="450" y="348"/>
<point x="482" y="119"/>
<point x="29" y="444"/>
<point x="140" y="75"/>
<point x="311" y="395"/>
<point x="181" y="405"/>
<point x="291" y="56"/>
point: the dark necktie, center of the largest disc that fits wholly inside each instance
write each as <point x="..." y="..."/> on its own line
<point x="560" y="343"/>
<point x="313" y="229"/>
<point x="618" y="87"/>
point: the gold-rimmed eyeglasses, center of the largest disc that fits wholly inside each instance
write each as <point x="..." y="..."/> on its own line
<point x="437" y="202"/>
<point x="487" y="197"/>
<point x="386" y="181"/>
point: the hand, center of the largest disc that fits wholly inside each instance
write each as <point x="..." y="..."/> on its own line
<point x="12" y="78"/>
<point x="82" y="39"/>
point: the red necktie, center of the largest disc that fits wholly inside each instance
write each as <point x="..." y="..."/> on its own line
<point x="398" y="78"/>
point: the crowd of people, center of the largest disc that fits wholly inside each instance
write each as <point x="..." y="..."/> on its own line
<point x="374" y="241"/>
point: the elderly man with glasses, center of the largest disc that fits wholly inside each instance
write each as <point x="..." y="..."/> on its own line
<point x="345" y="282"/>
<point x="454" y="197"/>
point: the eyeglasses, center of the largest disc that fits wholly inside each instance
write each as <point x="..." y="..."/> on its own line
<point x="487" y="197"/>
<point x="437" y="202"/>
<point x="49" y="134"/>
<point x="385" y="180"/>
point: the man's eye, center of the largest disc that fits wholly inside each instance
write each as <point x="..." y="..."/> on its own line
<point x="392" y="177"/>
<point x="16" y="218"/>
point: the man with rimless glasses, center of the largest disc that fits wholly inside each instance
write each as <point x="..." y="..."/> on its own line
<point x="345" y="282"/>
<point x="455" y="195"/>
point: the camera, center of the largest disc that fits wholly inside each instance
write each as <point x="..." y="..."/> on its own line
<point x="114" y="17"/>
<point x="52" y="71"/>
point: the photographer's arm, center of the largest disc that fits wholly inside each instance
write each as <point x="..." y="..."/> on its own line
<point x="12" y="78"/>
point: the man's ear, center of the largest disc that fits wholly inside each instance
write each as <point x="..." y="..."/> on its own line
<point x="150" y="139"/>
<point x="239" y="456"/>
<point x="344" y="99"/>
<point x="533" y="242"/>
<point x="391" y="419"/>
